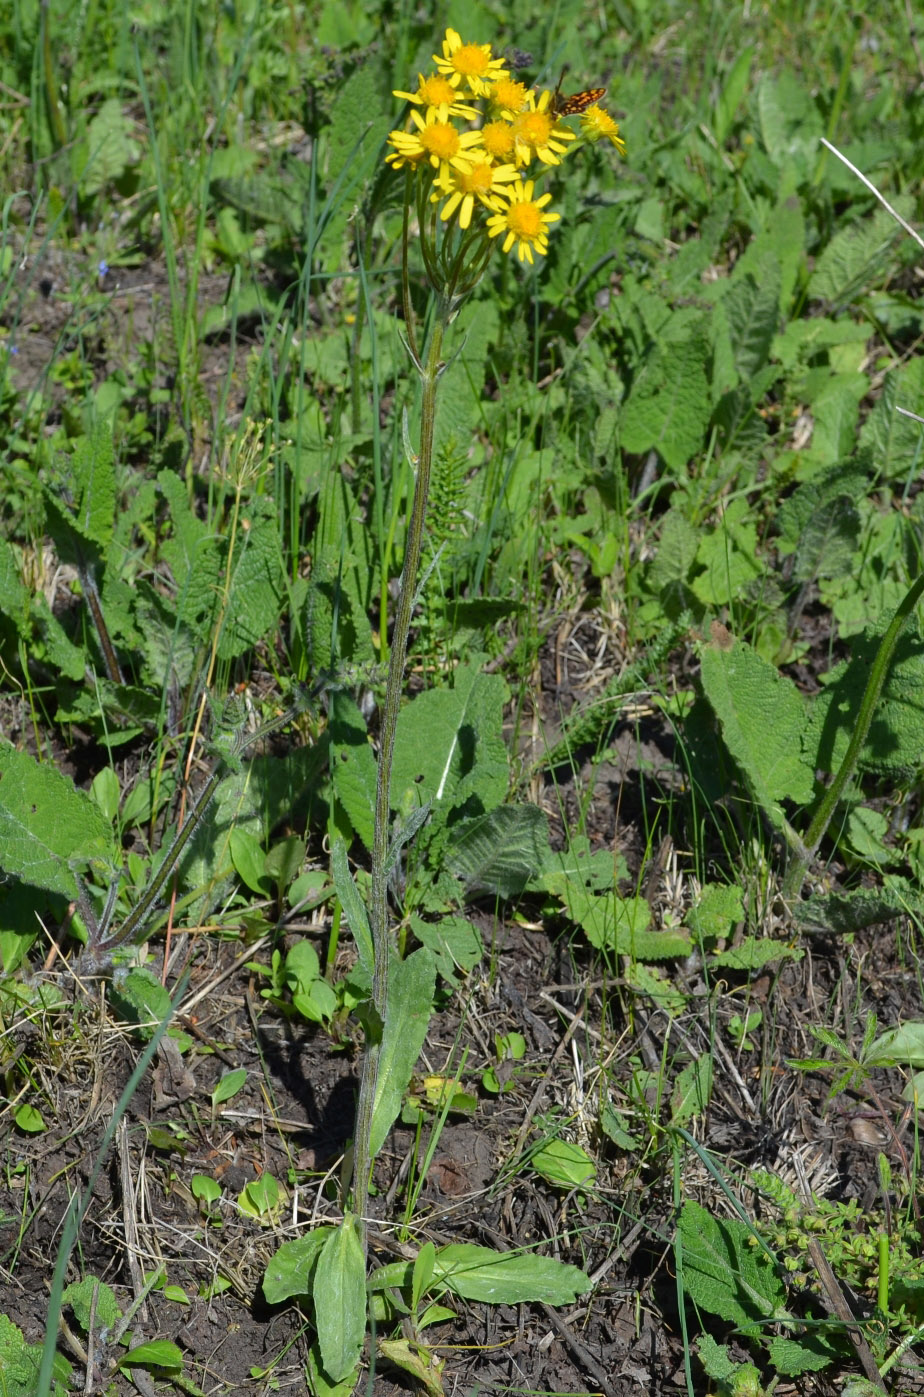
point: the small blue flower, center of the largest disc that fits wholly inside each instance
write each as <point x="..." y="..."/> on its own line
<point x="103" y="268"/>
<point x="13" y="348"/>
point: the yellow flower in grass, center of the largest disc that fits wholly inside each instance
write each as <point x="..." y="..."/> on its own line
<point x="482" y="181"/>
<point x="436" y="140"/>
<point x="498" y="140"/>
<point x="538" y="133"/>
<point x="525" y="221"/>
<point x="507" y="95"/>
<point x="598" y="125"/>
<point x="472" y="62"/>
<point x="435" y="90"/>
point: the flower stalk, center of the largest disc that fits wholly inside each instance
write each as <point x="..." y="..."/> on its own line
<point x="474" y="130"/>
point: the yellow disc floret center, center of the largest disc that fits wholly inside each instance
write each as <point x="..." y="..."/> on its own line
<point x="478" y="180"/>
<point x="525" y="220"/>
<point x="533" y="128"/>
<point x="470" y="60"/>
<point x="497" y="139"/>
<point x="508" y="93"/>
<point x="437" y="91"/>
<point x="440" y="139"/>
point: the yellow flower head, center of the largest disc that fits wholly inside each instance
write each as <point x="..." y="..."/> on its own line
<point x="436" y="140"/>
<point x="482" y="181"/>
<point x="437" y="90"/>
<point x="597" y="125"/>
<point x="472" y="62"/>
<point x="525" y="221"/>
<point x="538" y="134"/>
<point x="507" y="96"/>
<point x="498" y="139"/>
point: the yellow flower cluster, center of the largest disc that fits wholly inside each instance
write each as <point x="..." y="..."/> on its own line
<point x="476" y="130"/>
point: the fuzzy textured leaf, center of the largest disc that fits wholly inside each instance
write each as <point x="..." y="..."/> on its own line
<point x="763" y="720"/>
<point x="449" y="745"/>
<point x="499" y="852"/>
<point x="725" y="1274"/>
<point x="47" y="826"/>
<point x="894" y="745"/>
<point x="668" y="407"/>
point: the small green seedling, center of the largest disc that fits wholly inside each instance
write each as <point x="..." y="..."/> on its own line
<point x="510" y="1049"/>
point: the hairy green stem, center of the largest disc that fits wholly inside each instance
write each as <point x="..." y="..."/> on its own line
<point x="795" y="874"/>
<point x="381" y="937"/>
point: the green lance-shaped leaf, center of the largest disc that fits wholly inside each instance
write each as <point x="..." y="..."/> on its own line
<point x="507" y="1278"/>
<point x="411" y="984"/>
<point x="340" y="1300"/>
<point x="47" y="827"/>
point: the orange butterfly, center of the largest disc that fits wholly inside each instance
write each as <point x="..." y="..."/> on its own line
<point x="561" y="105"/>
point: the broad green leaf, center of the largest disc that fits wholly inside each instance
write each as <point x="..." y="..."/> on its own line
<point x="256" y="581"/>
<point x="93" y="487"/>
<point x="206" y="865"/>
<point x="745" y="320"/>
<point x="763" y="720"/>
<point x="455" y="942"/>
<point x="105" y="791"/>
<point x="789" y="122"/>
<point x="668" y="408"/>
<point x="110" y="148"/>
<point x="352" y="765"/>
<point x="47" y="826"/>
<point x="29" y="1119"/>
<point x="291" y="1270"/>
<point x="564" y="1164"/>
<point x="507" y="1278"/>
<point x="725" y="1274"/>
<point x="411" y="983"/>
<point x="715" y="1358"/>
<point x="20" y="1363"/>
<point x="141" y="999"/>
<point x="692" y="1090"/>
<point x="735" y="85"/>
<point x="320" y="1384"/>
<point x="895" y="743"/>
<point x="856" y="256"/>
<point x="449" y="745"/>
<point x="718" y="907"/>
<point x="753" y="953"/>
<point x="899" y="1047"/>
<point x="727" y="557"/>
<point x="422" y="1274"/>
<point x="193" y="555"/>
<point x="861" y="907"/>
<point x="808" y="1354"/>
<point x="595" y="872"/>
<point x="83" y="1296"/>
<point x="228" y="1085"/>
<point x="340" y="1302"/>
<point x="893" y="439"/>
<point x="499" y="852"/>
<point x="157" y="1353"/>
<point x="249" y="860"/>
<point x="622" y="925"/>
